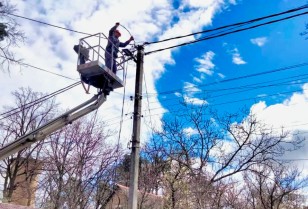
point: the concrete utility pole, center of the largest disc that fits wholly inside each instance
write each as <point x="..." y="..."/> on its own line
<point x="134" y="167"/>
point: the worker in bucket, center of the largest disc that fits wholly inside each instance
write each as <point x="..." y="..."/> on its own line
<point x="112" y="48"/>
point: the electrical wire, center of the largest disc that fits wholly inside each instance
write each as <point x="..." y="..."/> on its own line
<point x="32" y="103"/>
<point x="251" y="86"/>
<point x="122" y="111"/>
<point x="129" y="33"/>
<point x="245" y="88"/>
<point x="224" y="34"/>
<point x="146" y="90"/>
<point x="121" y="125"/>
<point x="228" y="102"/>
<point x="234" y="101"/>
<point x="235" y="78"/>
<point x="38" y="68"/>
<point x="231" y="25"/>
<point x="52" y="25"/>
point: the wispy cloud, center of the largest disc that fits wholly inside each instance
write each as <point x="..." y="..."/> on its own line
<point x="178" y="94"/>
<point x="191" y="89"/>
<point x="259" y="41"/>
<point x="233" y="2"/>
<point x="197" y="80"/>
<point x="194" y="100"/>
<point x="189" y="96"/>
<point x="236" y="57"/>
<point x="205" y="64"/>
<point x="221" y="75"/>
<point x="190" y="131"/>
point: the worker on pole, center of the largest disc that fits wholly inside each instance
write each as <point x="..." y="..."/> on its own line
<point x="112" y="48"/>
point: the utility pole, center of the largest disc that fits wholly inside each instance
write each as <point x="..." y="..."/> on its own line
<point x="134" y="163"/>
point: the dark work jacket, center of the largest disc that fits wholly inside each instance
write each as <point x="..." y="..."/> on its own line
<point x="114" y="43"/>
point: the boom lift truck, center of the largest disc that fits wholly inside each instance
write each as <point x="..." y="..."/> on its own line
<point x="93" y="73"/>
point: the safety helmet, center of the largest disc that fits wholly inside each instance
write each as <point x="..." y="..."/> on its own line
<point x="118" y="32"/>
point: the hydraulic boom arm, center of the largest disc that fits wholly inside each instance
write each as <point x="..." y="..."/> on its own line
<point x="56" y="124"/>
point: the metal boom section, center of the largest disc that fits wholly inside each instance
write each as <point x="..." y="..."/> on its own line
<point x="42" y="132"/>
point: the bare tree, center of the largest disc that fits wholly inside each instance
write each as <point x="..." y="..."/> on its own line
<point x="122" y="170"/>
<point x="274" y="186"/>
<point x="10" y="35"/>
<point x="30" y="113"/>
<point x="213" y="148"/>
<point x="176" y="187"/>
<point x="78" y="167"/>
<point x="154" y="163"/>
<point x="153" y="167"/>
<point x="227" y="146"/>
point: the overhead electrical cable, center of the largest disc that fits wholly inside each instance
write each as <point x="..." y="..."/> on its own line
<point x="52" y="25"/>
<point x="146" y="90"/>
<point x="232" y="25"/>
<point x="249" y="87"/>
<point x="244" y="88"/>
<point x="122" y="111"/>
<point x="257" y="87"/>
<point x="235" y="78"/>
<point x="224" y="34"/>
<point x="32" y="103"/>
<point x="185" y="114"/>
<point x="181" y="110"/>
<point x="38" y="68"/>
<point x="234" y="101"/>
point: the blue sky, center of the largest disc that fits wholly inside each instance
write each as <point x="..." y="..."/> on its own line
<point x="189" y="67"/>
<point x="280" y="46"/>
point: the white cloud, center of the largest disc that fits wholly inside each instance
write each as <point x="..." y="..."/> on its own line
<point x="233" y="2"/>
<point x="48" y="47"/>
<point x="221" y="75"/>
<point x="177" y="94"/>
<point x="291" y="114"/>
<point x="259" y="41"/>
<point x="194" y="100"/>
<point x="189" y="96"/>
<point x="197" y="80"/>
<point x="205" y="64"/>
<point x="190" y="131"/>
<point x="191" y="88"/>
<point x="236" y="57"/>
<point x="201" y="4"/>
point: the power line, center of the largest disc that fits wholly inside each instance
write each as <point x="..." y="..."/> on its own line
<point x="236" y="78"/>
<point x="122" y="111"/>
<point x="52" y="25"/>
<point x="232" y="25"/>
<point x="247" y="76"/>
<point x="294" y="159"/>
<point x="38" y="68"/>
<point x="180" y="110"/>
<point x="249" y="88"/>
<point x="257" y="87"/>
<point x="146" y="90"/>
<point x="32" y="103"/>
<point x="228" y="102"/>
<point x="224" y="34"/>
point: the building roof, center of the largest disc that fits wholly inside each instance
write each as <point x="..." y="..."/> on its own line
<point x="11" y="206"/>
